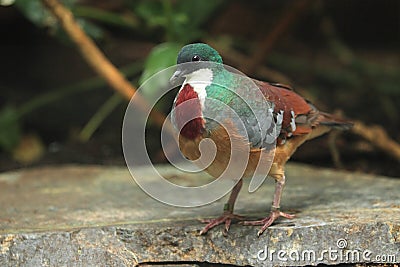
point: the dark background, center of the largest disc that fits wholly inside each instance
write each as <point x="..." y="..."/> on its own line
<point x="342" y="55"/>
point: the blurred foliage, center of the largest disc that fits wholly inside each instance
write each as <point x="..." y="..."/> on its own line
<point x="41" y="17"/>
<point x="10" y="131"/>
<point x="160" y="58"/>
<point x="179" y="22"/>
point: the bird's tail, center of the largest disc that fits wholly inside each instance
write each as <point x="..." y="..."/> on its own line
<point x="334" y="121"/>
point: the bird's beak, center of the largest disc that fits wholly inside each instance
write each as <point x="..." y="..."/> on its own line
<point x="177" y="77"/>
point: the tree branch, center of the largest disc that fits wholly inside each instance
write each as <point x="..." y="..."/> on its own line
<point x="378" y="137"/>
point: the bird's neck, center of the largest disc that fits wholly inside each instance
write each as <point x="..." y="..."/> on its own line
<point x="199" y="80"/>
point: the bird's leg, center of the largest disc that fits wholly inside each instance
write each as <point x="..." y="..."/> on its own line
<point x="228" y="215"/>
<point x="275" y="209"/>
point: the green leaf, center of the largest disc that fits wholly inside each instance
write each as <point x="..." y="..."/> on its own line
<point x="36" y="12"/>
<point x="161" y="57"/>
<point x="151" y="12"/>
<point x="180" y="20"/>
<point x="9" y="128"/>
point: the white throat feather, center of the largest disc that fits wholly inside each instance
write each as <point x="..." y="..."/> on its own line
<point x="199" y="80"/>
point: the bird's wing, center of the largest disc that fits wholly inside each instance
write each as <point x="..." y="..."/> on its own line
<point x="299" y="115"/>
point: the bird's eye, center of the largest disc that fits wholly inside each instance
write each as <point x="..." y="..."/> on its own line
<point x="196" y="58"/>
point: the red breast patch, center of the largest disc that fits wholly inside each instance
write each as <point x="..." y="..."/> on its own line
<point x="188" y="117"/>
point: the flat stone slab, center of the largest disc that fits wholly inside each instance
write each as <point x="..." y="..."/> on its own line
<point x="98" y="216"/>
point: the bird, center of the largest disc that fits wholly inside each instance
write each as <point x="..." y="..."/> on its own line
<point x="297" y="119"/>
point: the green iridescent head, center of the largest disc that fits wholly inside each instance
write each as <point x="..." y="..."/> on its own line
<point x="196" y="56"/>
<point x="198" y="52"/>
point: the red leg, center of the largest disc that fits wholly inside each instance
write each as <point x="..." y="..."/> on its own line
<point x="228" y="215"/>
<point x="275" y="212"/>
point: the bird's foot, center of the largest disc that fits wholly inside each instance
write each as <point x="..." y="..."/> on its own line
<point x="266" y="222"/>
<point x="226" y="218"/>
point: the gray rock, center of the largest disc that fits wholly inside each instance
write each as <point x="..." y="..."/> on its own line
<point x="98" y="216"/>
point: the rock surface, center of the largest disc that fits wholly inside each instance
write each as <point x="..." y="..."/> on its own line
<point x="97" y="216"/>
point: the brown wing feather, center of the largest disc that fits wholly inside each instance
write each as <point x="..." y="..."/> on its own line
<point x="306" y="116"/>
<point x="288" y="101"/>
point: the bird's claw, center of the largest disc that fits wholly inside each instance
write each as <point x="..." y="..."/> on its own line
<point x="266" y="222"/>
<point x="224" y="218"/>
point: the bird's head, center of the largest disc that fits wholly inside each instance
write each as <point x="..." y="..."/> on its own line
<point x="199" y="54"/>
